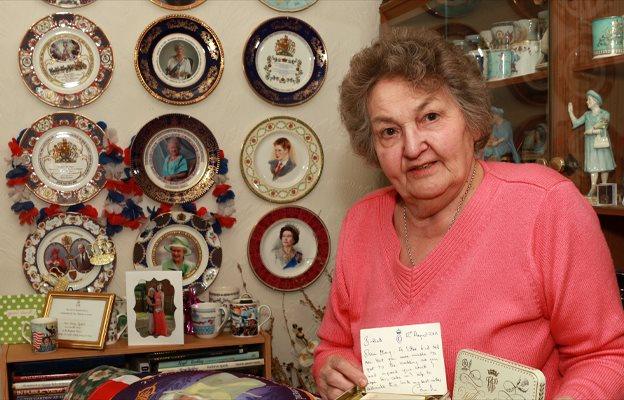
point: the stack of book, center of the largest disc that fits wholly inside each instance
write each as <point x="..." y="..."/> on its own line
<point x="41" y="387"/>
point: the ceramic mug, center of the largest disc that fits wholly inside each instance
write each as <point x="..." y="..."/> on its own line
<point x="500" y="64"/>
<point x="486" y="36"/>
<point x="208" y="319"/>
<point x="525" y="29"/>
<point x="245" y="313"/>
<point x="118" y="322"/>
<point x="224" y="295"/>
<point x="608" y="36"/>
<point x="503" y="34"/>
<point x="481" y="58"/>
<point x="527" y="55"/>
<point x="43" y="334"/>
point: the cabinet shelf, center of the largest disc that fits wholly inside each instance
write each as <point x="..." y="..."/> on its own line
<point x="610" y="210"/>
<point x="601" y="62"/>
<point x="535" y="76"/>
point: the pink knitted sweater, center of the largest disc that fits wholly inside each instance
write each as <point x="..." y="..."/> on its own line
<point x="524" y="274"/>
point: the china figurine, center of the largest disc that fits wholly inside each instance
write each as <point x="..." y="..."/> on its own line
<point x="501" y="140"/>
<point x="598" y="151"/>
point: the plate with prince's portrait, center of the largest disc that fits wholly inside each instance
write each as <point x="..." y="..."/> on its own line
<point x="281" y="159"/>
<point x="175" y="158"/>
<point x="180" y="241"/>
<point x="288" y="248"/>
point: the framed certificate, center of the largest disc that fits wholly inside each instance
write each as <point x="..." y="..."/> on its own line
<point x="82" y="317"/>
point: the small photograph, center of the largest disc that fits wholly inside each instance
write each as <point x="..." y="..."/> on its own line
<point x="607" y="194"/>
<point x="174" y="159"/>
<point x="178" y="251"/>
<point x="179" y="60"/>
<point x="80" y="256"/>
<point x="286" y="253"/>
<point x="56" y="260"/>
<point x="65" y="50"/>
<point x="154" y="308"/>
<point x="283" y="158"/>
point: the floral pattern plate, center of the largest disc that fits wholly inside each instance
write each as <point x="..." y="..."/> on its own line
<point x="65" y="60"/>
<point x="289" y="5"/>
<point x="288" y="248"/>
<point x="177" y="4"/>
<point x="61" y="152"/>
<point x="180" y="241"/>
<point x="69" y="3"/>
<point x="175" y="158"/>
<point x="56" y="251"/>
<point x="285" y="61"/>
<point x="281" y="159"/>
<point x="179" y="59"/>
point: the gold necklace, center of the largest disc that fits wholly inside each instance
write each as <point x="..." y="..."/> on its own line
<point x="459" y="207"/>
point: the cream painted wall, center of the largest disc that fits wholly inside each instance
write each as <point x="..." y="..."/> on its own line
<point x="230" y="112"/>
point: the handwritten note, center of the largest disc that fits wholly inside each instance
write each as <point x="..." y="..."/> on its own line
<point x="404" y="359"/>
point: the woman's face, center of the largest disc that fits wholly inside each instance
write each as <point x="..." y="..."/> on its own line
<point x="590" y="102"/>
<point x="280" y="152"/>
<point x="421" y="140"/>
<point x="287" y="239"/>
<point x="173" y="147"/>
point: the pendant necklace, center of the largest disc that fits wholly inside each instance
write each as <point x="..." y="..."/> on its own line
<point x="459" y="207"/>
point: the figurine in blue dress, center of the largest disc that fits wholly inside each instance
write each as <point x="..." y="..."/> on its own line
<point x="501" y="140"/>
<point x="598" y="150"/>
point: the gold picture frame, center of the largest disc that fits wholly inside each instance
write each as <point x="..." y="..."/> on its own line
<point x="82" y="317"/>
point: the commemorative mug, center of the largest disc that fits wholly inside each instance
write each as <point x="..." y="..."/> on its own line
<point x="118" y="322"/>
<point x="503" y="34"/>
<point x="608" y="36"/>
<point x="525" y="29"/>
<point x="43" y="334"/>
<point x="208" y="319"/>
<point x="245" y="313"/>
<point x="223" y="295"/>
<point x="486" y="37"/>
<point x="500" y="64"/>
<point x="481" y="58"/>
<point x="527" y="55"/>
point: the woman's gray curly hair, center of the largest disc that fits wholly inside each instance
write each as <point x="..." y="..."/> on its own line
<point x="426" y="60"/>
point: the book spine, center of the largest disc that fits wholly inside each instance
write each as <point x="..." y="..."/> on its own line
<point x="55" y="390"/>
<point x="59" y="396"/>
<point x="170" y="356"/>
<point x="30" y="378"/>
<point x="208" y="360"/>
<point x="216" y="366"/>
<point x="42" y="384"/>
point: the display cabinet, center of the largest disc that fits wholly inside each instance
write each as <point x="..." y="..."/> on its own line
<point x="534" y="101"/>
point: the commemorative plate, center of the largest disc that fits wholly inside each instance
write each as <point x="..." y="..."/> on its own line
<point x="288" y="248"/>
<point x="179" y="59"/>
<point x="178" y="4"/>
<point x="65" y="60"/>
<point x="281" y="159"/>
<point x="62" y="156"/>
<point x="175" y="158"/>
<point x="285" y="61"/>
<point x="180" y="241"/>
<point x="60" y="249"/>
<point x="69" y="3"/>
<point x="289" y="5"/>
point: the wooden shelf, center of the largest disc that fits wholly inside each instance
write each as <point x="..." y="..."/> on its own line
<point x="601" y="62"/>
<point x="610" y="210"/>
<point x="535" y="76"/>
<point x="394" y="8"/>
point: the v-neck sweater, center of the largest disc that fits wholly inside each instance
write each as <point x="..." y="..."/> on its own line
<point x="524" y="274"/>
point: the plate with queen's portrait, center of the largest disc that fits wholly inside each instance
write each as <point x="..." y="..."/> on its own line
<point x="179" y="59"/>
<point x="288" y="5"/>
<point x="66" y="60"/>
<point x="285" y="61"/>
<point x="282" y="159"/>
<point x="180" y="241"/>
<point x="175" y="158"/>
<point x="61" y="153"/>
<point x="288" y="248"/>
<point x="69" y="3"/>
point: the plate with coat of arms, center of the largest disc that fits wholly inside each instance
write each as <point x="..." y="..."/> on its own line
<point x="179" y="59"/>
<point x="69" y="251"/>
<point x="61" y="152"/>
<point x="180" y="241"/>
<point x="285" y="61"/>
<point x="66" y="60"/>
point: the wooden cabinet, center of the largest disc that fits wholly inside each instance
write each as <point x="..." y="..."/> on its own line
<point x="15" y="354"/>
<point x="544" y="95"/>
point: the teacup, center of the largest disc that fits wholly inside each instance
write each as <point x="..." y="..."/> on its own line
<point x="486" y="36"/>
<point x="224" y="295"/>
<point x="43" y="334"/>
<point x="608" y="36"/>
<point x="481" y="58"/>
<point x="208" y="319"/>
<point x="525" y="29"/>
<point x="503" y="34"/>
<point x="245" y="313"/>
<point x="527" y="55"/>
<point x="500" y="63"/>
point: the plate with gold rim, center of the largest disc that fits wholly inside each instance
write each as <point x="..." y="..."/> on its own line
<point x="179" y="59"/>
<point x="281" y="159"/>
<point x="62" y="156"/>
<point x="60" y="251"/>
<point x="69" y="3"/>
<point x="288" y="5"/>
<point x="175" y="158"/>
<point x="66" y="60"/>
<point x="178" y="4"/>
<point x="285" y="61"/>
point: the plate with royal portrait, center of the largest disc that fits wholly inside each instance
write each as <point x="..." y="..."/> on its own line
<point x="60" y="251"/>
<point x="175" y="158"/>
<point x="66" y="60"/>
<point x="179" y="59"/>
<point x="288" y="5"/>
<point x="288" y="248"/>
<point x="61" y="153"/>
<point x="178" y="4"/>
<point x="285" y="61"/>
<point x="281" y="159"/>
<point x="180" y="241"/>
<point x="69" y="3"/>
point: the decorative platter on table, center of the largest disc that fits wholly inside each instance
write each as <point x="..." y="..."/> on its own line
<point x="288" y="5"/>
<point x="69" y="3"/>
<point x="285" y="61"/>
<point x="175" y="158"/>
<point x="65" y="60"/>
<point x="61" y="152"/>
<point x="60" y="249"/>
<point x="179" y="59"/>
<point x="180" y="241"/>
<point x="281" y="159"/>
<point x="178" y="4"/>
<point x="288" y="248"/>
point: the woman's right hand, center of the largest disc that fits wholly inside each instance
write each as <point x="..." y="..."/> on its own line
<point x="337" y="376"/>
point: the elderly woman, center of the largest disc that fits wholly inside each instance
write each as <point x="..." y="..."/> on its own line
<point x="509" y="259"/>
<point x="175" y="166"/>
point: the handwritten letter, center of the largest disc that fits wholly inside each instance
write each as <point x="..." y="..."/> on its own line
<point x="404" y="359"/>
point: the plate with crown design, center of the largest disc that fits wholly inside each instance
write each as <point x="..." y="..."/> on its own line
<point x="66" y="60"/>
<point x="61" y="153"/>
<point x="285" y="61"/>
<point x="68" y="251"/>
